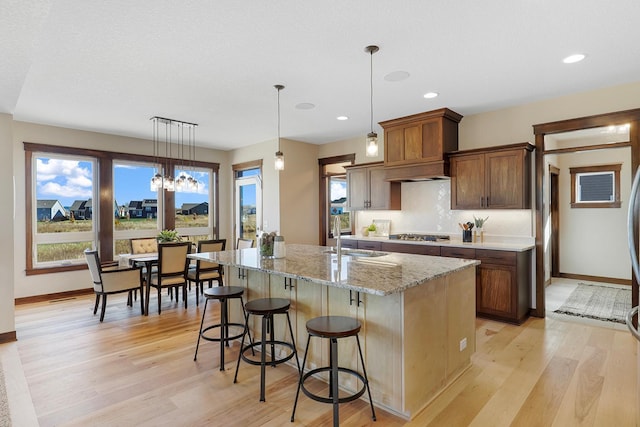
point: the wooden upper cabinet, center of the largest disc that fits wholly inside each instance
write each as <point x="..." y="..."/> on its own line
<point x="368" y="189"/>
<point x="492" y="178"/>
<point x="420" y="138"/>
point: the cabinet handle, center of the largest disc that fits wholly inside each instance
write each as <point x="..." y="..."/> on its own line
<point x="242" y="273"/>
<point x="288" y="282"/>
<point x="481" y="201"/>
<point x="487" y="201"/>
<point x="356" y="299"/>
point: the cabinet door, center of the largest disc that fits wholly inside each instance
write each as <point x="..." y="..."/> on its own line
<point x="495" y="290"/>
<point x="342" y="302"/>
<point x="309" y="304"/>
<point x="468" y="182"/>
<point x="432" y="140"/>
<point x="379" y="189"/>
<point x="394" y="145"/>
<point x="284" y="287"/>
<point x="505" y="180"/>
<point x="413" y="143"/>
<point x="357" y="188"/>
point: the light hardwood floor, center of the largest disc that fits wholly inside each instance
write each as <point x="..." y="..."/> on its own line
<point x="136" y="370"/>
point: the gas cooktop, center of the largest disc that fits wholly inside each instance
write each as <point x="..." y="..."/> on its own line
<point x="419" y="237"/>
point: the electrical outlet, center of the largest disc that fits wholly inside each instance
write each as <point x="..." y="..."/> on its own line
<point x="463" y="344"/>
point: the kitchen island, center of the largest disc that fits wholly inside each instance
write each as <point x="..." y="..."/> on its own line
<point x="417" y="313"/>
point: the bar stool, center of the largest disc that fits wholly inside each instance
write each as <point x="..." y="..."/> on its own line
<point x="333" y="328"/>
<point x="267" y="308"/>
<point x="222" y="294"/>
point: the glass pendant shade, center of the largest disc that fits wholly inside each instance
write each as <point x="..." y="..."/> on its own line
<point x="279" y="161"/>
<point x="156" y="182"/>
<point x="372" y="145"/>
<point x="169" y="184"/>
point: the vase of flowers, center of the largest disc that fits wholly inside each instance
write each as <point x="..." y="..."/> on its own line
<point x="265" y="244"/>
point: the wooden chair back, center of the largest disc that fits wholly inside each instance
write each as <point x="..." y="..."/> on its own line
<point x="244" y="243"/>
<point x="144" y="245"/>
<point x="217" y="245"/>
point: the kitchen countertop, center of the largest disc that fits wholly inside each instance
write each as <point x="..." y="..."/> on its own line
<point x="515" y="245"/>
<point x="381" y="275"/>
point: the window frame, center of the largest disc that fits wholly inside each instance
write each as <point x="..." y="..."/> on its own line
<point x="104" y="201"/>
<point x="613" y="168"/>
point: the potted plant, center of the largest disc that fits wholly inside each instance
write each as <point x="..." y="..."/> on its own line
<point x="168" y="236"/>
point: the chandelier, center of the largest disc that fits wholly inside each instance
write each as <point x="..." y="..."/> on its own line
<point x="163" y="178"/>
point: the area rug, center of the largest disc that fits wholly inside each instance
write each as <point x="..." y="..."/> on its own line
<point x="5" y="417"/>
<point x="598" y="302"/>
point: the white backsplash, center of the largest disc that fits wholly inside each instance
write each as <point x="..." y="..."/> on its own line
<point x="426" y="208"/>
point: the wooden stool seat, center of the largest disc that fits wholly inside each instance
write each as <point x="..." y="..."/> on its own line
<point x="222" y="294"/>
<point x="267" y="308"/>
<point x="333" y="328"/>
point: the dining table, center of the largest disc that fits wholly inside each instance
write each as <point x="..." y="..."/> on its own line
<point x="147" y="261"/>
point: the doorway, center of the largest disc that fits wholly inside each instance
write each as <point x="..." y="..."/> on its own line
<point x="630" y="117"/>
<point x="247" y="202"/>
<point x="333" y="196"/>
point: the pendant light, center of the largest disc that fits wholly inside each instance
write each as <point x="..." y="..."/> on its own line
<point x="371" y="147"/>
<point x="156" y="180"/>
<point x="279" y="159"/>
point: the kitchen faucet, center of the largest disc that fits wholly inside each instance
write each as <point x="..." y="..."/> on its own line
<point x="336" y="234"/>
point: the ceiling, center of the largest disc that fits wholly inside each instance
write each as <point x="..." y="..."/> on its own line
<point x="108" y="66"/>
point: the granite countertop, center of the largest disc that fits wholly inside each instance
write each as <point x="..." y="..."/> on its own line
<point x="497" y="244"/>
<point x="381" y="275"/>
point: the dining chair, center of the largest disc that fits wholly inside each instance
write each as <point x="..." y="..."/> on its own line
<point x="205" y="271"/>
<point x="112" y="280"/>
<point x="172" y="270"/>
<point x="144" y="245"/>
<point x="244" y="243"/>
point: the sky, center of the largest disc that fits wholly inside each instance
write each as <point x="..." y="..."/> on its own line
<point x="70" y="180"/>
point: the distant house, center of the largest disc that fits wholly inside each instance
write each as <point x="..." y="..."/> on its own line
<point x="194" y="208"/>
<point x="81" y="209"/>
<point x="147" y="208"/>
<point x="50" y="210"/>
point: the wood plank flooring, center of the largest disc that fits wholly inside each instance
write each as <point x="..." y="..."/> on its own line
<point x="136" y="370"/>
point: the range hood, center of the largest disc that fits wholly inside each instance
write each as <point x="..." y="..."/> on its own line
<point x="431" y="171"/>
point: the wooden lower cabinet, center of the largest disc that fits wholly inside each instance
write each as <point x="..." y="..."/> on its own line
<point x="503" y="282"/>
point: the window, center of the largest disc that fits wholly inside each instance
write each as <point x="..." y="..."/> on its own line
<point x="595" y="186"/>
<point x="248" y="199"/>
<point x="333" y="195"/>
<point x="63" y="225"/>
<point x="137" y="208"/>
<point x="75" y="195"/>
<point x="193" y="217"/>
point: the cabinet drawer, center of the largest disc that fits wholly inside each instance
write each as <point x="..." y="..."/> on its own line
<point x="487" y="256"/>
<point x="406" y="248"/>
<point x="372" y="246"/>
<point x="467" y="253"/>
<point x="349" y="243"/>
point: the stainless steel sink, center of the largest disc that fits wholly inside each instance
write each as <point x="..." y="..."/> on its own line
<point x="356" y="253"/>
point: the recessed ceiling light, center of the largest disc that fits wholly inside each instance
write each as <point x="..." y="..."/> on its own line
<point x="571" y="59"/>
<point x="430" y="95"/>
<point x="396" y="76"/>
<point x="342" y="118"/>
<point x="305" y="106"/>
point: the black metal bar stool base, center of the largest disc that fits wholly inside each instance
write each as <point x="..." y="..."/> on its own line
<point x="333" y="328"/>
<point x="222" y="294"/>
<point x="267" y="308"/>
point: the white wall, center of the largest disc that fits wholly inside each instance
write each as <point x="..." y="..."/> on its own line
<point x="593" y="241"/>
<point x="7" y="176"/>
